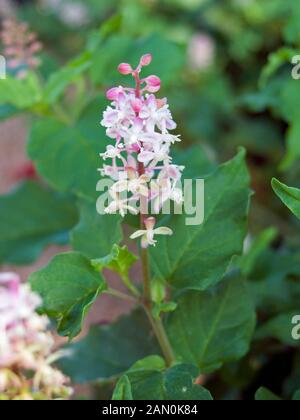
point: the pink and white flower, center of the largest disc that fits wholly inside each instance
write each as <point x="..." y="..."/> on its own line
<point x="149" y="233"/>
<point x="154" y="115"/>
<point x="139" y="122"/>
<point x="25" y="342"/>
<point x="119" y="204"/>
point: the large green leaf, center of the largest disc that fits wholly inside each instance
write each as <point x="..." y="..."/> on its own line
<point x="68" y="155"/>
<point x="109" y="350"/>
<point x="95" y="234"/>
<point x="151" y="380"/>
<point x="288" y="195"/>
<point x="214" y="327"/>
<point x="69" y="285"/>
<point x="32" y="217"/>
<point x="198" y="256"/>
<point x="196" y="161"/>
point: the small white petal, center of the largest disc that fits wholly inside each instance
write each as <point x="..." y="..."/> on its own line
<point x="137" y="234"/>
<point x="163" y="231"/>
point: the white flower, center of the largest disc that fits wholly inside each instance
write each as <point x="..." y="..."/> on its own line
<point x="148" y="234"/>
<point x="156" y="115"/>
<point x="164" y="189"/>
<point x="112" y="152"/>
<point x="121" y="115"/>
<point x="159" y="153"/>
<point x="171" y="171"/>
<point x="119" y="205"/>
<point x="133" y="134"/>
<point x="135" y="184"/>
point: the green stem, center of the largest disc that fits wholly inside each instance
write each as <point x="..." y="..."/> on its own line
<point x="156" y="324"/>
<point x="130" y="286"/>
<point x="120" y="295"/>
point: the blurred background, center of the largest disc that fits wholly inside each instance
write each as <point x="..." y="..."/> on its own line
<point x="226" y="69"/>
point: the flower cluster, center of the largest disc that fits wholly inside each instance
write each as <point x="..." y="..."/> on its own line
<point x="141" y="165"/>
<point x="20" y="47"/>
<point x="26" y="347"/>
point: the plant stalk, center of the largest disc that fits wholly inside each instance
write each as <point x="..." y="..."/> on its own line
<point x="156" y="323"/>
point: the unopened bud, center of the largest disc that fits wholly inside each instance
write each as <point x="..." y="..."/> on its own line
<point x="146" y="60"/>
<point x="125" y="68"/>
<point x="153" y="84"/>
<point x="112" y="94"/>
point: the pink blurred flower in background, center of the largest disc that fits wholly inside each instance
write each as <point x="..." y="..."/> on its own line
<point x="20" y="47"/>
<point x="26" y="345"/>
<point x="201" y="51"/>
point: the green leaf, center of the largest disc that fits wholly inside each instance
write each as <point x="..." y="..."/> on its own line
<point x="20" y="93"/>
<point x="271" y="281"/>
<point x="68" y="156"/>
<point x="263" y="394"/>
<point x="123" y="390"/>
<point x="64" y="77"/>
<point x="197" y="257"/>
<point x="293" y="148"/>
<point x="158" y="383"/>
<point x="288" y="195"/>
<point x="196" y="161"/>
<point x="68" y="286"/>
<point x="296" y="396"/>
<point x="260" y="244"/>
<point x="275" y="61"/>
<point x="164" y="307"/>
<point x="280" y="327"/>
<point x="31" y="218"/>
<point x="8" y="111"/>
<point x="214" y="327"/>
<point x="119" y="260"/>
<point x="95" y="234"/>
<point x="109" y="350"/>
<point x="149" y="362"/>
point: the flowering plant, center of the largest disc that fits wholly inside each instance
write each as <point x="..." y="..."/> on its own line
<point x="187" y="300"/>
<point x="26" y="347"/>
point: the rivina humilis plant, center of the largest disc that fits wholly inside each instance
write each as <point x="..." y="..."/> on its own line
<point x="26" y="347"/>
<point x="192" y="311"/>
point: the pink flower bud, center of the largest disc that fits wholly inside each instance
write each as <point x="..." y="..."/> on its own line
<point x="146" y="60"/>
<point x="125" y="68"/>
<point x="153" y="84"/>
<point x="112" y="94"/>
